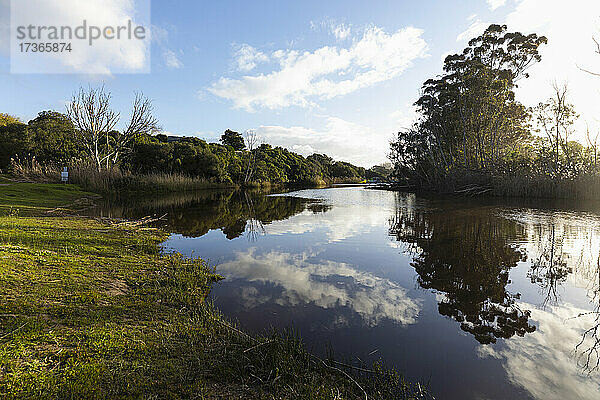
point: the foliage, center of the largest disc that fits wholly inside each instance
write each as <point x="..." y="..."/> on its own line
<point x="49" y="139"/>
<point x="233" y="139"/>
<point x="381" y="172"/>
<point x="52" y="140"/>
<point x="223" y="164"/>
<point x="469" y="118"/>
<point x="473" y="137"/>
<point x="14" y="141"/>
<point x="94" y="121"/>
<point x="7" y="119"/>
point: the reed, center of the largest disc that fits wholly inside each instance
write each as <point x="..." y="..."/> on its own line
<point x="475" y="183"/>
<point x="29" y="169"/>
<point x="116" y="180"/>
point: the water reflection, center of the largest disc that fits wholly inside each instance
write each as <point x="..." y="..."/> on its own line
<point x="565" y="252"/>
<point x="506" y="295"/>
<point x="545" y="363"/>
<point x="326" y="284"/>
<point x="467" y="257"/>
<point x="194" y="214"/>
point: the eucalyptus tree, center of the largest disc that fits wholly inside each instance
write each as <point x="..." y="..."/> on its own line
<point x="468" y="116"/>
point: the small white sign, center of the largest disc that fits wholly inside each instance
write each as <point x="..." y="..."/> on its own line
<point x="64" y="175"/>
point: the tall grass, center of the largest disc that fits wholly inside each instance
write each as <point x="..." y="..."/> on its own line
<point x="30" y="170"/>
<point x="515" y="185"/>
<point x="108" y="181"/>
<point x="585" y="187"/>
<point x="115" y="180"/>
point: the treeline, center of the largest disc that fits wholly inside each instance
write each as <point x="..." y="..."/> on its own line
<point x="53" y="140"/>
<point x="472" y="135"/>
<point x="229" y="162"/>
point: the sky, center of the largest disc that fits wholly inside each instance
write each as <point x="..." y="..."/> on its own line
<point x="334" y="77"/>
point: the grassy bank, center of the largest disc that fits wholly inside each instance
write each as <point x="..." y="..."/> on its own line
<point x="92" y="309"/>
<point x="34" y="198"/>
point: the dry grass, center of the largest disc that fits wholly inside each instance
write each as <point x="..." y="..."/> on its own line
<point x="116" y="180"/>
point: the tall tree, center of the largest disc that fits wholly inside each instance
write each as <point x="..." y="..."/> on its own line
<point x="468" y="116"/>
<point x="556" y="117"/>
<point x="52" y="138"/>
<point x="233" y="139"/>
<point x="142" y="122"/>
<point x="251" y="141"/>
<point x="93" y="119"/>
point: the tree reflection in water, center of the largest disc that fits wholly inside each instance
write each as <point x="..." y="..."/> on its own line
<point x="465" y="256"/>
<point x="193" y="214"/>
<point x="567" y="247"/>
<point x="588" y="349"/>
<point x="550" y="268"/>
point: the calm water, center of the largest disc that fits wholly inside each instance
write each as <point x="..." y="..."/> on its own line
<point x="480" y="299"/>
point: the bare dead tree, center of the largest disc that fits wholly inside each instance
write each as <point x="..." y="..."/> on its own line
<point x="93" y="120"/>
<point x="95" y="123"/>
<point x="142" y="122"/>
<point x="254" y="226"/>
<point x="251" y="140"/>
<point x="592" y="144"/>
<point x="551" y="269"/>
<point x="556" y="117"/>
<point x="588" y="349"/>
<point x="597" y="43"/>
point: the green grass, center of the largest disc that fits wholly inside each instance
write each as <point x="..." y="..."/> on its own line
<point x="37" y="197"/>
<point x="92" y="309"/>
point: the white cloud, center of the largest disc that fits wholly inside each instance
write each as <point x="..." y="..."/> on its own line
<point x="351" y="216"/>
<point x="476" y="28"/>
<point x="493" y="4"/>
<point x="305" y="76"/>
<point x="338" y="138"/>
<point x="4" y="26"/>
<point x="247" y="57"/>
<point x="171" y="59"/>
<point x="544" y="363"/>
<point x="341" y="31"/>
<point x="302" y="281"/>
<point x="104" y="56"/>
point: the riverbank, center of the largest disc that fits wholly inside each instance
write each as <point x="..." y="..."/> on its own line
<point x="506" y="186"/>
<point x="117" y="182"/>
<point x="91" y="308"/>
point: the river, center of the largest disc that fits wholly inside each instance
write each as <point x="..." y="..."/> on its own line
<point x="477" y="299"/>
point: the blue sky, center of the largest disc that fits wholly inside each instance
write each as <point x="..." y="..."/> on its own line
<point x="315" y="76"/>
